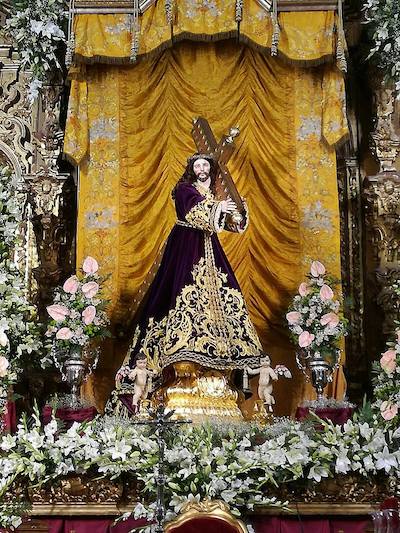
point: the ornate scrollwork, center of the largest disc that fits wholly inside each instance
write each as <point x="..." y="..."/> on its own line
<point x="383" y="220"/>
<point x="349" y="488"/>
<point x="385" y="141"/>
<point x="77" y="489"/>
<point x="383" y="201"/>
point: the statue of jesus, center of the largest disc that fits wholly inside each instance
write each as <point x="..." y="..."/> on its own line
<point x="194" y="312"/>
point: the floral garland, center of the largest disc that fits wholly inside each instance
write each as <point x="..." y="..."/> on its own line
<point x="36" y="28"/>
<point x="19" y="330"/>
<point x="241" y="465"/>
<point x="383" y="23"/>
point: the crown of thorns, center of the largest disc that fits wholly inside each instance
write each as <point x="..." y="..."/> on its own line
<point x="194" y="157"/>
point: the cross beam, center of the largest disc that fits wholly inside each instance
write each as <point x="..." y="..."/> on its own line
<point x="206" y="144"/>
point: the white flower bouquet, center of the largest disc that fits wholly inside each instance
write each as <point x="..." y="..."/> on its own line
<point x="20" y="336"/>
<point x="382" y="18"/>
<point x="37" y="29"/>
<point x="78" y="312"/>
<point x="315" y="321"/>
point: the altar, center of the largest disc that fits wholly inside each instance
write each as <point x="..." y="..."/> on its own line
<point x="199" y="295"/>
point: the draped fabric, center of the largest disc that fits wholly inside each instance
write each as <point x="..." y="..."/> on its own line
<point x="129" y="128"/>
<point x="306" y="37"/>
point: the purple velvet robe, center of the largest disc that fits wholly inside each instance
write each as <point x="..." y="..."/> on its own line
<point x="194" y="309"/>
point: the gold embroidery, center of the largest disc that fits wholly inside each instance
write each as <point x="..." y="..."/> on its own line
<point x="202" y="215"/>
<point x="210" y="325"/>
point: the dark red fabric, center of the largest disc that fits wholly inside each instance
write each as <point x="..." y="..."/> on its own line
<point x="261" y="524"/>
<point x="390" y="503"/>
<point x="336" y="415"/>
<point x="91" y="525"/>
<point x="211" y="525"/>
<point x="69" y="415"/>
<point x="10" y="418"/>
<point x="126" y="399"/>
<point x="275" y="524"/>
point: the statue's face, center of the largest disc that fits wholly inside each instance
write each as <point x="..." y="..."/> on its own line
<point x="201" y="168"/>
<point x="141" y="363"/>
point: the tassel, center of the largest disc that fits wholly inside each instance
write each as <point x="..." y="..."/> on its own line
<point x="276" y="29"/>
<point x="169" y="9"/>
<point x="238" y="10"/>
<point x="135" y="31"/>
<point x="341" y="39"/>
<point x="69" y="55"/>
<point x="245" y="380"/>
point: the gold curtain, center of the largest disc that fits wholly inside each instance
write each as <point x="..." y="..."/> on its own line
<point x="136" y="124"/>
<point x="306" y="37"/>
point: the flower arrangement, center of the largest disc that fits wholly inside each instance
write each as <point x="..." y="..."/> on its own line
<point x="242" y="465"/>
<point x="37" y="29"/>
<point x="77" y="314"/>
<point x="387" y="383"/>
<point x="382" y="18"/>
<point x="20" y="335"/>
<point x="315" y="321"/>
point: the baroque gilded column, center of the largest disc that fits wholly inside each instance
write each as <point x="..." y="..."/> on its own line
<point x="382" y="193"/>
<point x="30" y="143"/>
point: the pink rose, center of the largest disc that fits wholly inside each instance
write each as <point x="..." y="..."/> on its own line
<point x="4" y="364"/>
<point x="57" y="312"/>
<point x="325" y="292"/>
<point x="317" y="269"/>
<point x="330" y="319"/>
<point x="293" y="317"/>
<point x="305" y="339"/>
<point x="90" y="289"/>
<point x="388" y="361"/>
<point x="64" y="334"/>
<point x="88" y="314"/>
<point x="389" y="410"/>
<point x="90" y="265"/>
<point x="71" y="285"/>
<point x="304" y="289"/>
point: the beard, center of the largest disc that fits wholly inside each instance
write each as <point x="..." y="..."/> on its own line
<point x="203" y="177"/>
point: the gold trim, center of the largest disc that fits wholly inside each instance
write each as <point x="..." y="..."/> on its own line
<point x="112" y="509"/>
<point x="126" y="6"/>
<point x="206" y="509"/>
<point x="322" y="509"/>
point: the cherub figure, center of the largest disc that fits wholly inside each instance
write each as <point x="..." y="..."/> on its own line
<point x="268" y="374"/>
<point x="140" y="376"/>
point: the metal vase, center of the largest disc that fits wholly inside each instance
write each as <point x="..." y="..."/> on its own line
<point x="75" y="370"/>
<point x="321" y="372"/>
<point x="317" y="370"/>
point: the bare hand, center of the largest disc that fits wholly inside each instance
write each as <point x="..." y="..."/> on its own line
<point x="228" y="206"/>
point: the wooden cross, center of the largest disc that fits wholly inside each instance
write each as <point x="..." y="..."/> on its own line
<point x="206" y="144"/>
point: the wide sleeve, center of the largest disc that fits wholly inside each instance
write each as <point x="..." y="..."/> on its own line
<point x="200" y="212"/>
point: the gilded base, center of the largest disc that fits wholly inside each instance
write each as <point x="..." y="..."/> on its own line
<point x="199" y="394"/>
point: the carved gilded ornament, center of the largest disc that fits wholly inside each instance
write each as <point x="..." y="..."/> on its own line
<point x="385" y="140"/>
<point x="209" y="509"/>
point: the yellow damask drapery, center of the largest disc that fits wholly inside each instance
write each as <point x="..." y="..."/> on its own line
<point x="307" y="37"/>
<point x="129" y="129"/>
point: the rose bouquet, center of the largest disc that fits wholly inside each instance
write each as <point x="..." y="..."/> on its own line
<point x="315" y="321"/>
<point x="387" y="382"/>
<point x="78" y="314"/>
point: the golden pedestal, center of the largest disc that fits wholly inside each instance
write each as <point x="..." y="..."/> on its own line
<point x="198" y="393"/>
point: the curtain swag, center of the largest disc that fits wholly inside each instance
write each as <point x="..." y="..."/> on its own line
<point x="303" y="38"/>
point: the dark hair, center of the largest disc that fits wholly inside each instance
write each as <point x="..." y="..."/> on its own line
<point x="190" y="177"/>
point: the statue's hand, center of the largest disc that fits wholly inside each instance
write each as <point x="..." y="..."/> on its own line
<point x="228" y="206"/>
